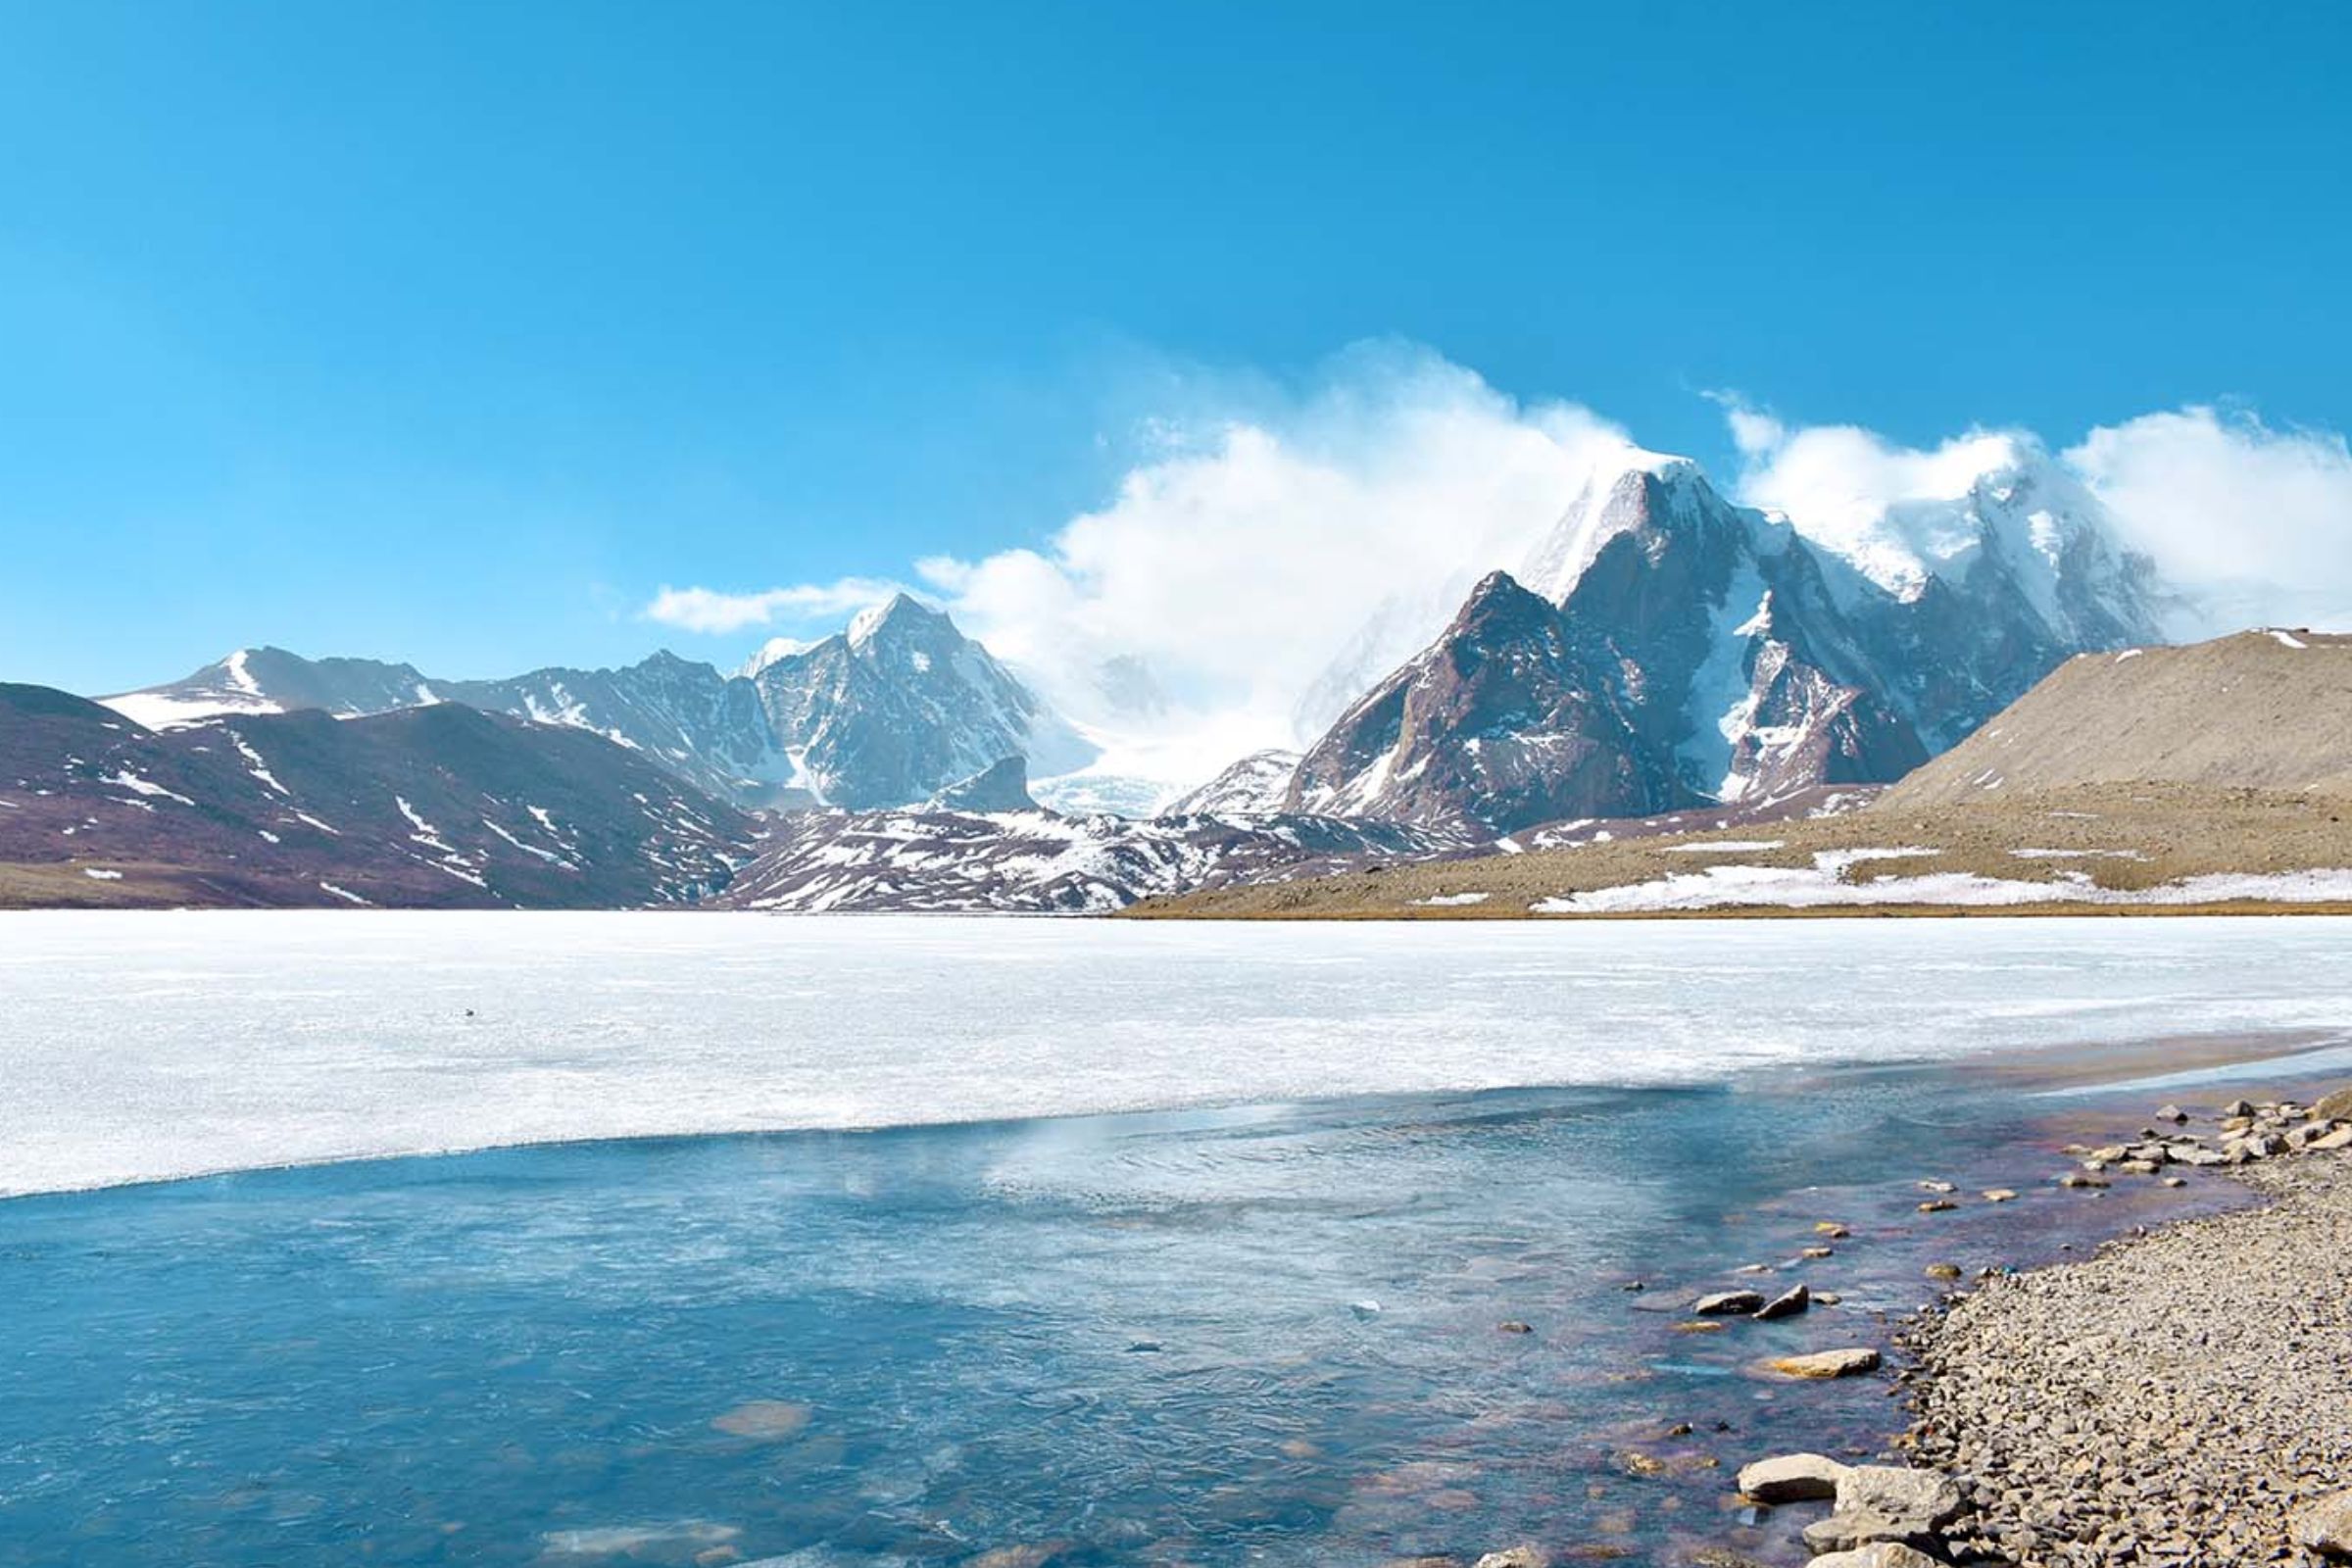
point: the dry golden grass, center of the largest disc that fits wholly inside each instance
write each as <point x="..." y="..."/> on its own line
<point x="2123" y="837"/>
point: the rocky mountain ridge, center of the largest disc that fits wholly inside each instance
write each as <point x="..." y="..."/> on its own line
<point x="884" y="712"/>
<point x="1684" y="649"/>
<point x="442" y="805"/>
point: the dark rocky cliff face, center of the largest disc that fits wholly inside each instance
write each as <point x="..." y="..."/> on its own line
<point x="1506" y="719"/>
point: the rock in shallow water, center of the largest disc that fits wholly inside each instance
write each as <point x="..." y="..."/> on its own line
<point x="1516" y="1557"/>
<point x="1785" y="1304"/>
<point x="767" y="1419"/>
<point x="1724" y="1303"/>
<point x="1828" y="1363"/>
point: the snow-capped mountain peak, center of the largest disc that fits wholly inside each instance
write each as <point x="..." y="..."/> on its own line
<point x="902" y="616"/>
<point x="1995" y="497"/>
<point x="271" y="680"/>
<point x="768" y="653"/>
<point x="1629" y="490"/>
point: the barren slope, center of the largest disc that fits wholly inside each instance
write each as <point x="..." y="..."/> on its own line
<point x="2263" y="710"/>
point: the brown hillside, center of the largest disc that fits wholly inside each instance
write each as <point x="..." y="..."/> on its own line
<point x="2262" y="711"/>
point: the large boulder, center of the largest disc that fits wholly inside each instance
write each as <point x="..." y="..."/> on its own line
<point x="1879" y="1554"/>
<point x="1875" y="1503"/>
<point x="1791" y="1477"/>
<point x="2325" y="1526"/>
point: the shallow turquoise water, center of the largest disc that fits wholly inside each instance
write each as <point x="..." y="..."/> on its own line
<point x="1265" y="1335"/>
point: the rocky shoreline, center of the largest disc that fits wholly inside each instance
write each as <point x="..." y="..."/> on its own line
<point x="2176" y="1401"/>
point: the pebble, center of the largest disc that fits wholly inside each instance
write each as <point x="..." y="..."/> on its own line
<point x="2176" y="1400"/>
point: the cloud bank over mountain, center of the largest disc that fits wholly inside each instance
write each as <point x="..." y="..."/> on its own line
<point x="2247" y="522"/>
<point x="1247" y="558"/>
<point x="2254" y="522"/>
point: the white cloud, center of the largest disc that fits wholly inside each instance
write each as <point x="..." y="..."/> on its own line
<point x="1244" y="555"/>
<point x="2250" y="523"/>
<point x="1246" y="560"/>
<point x="710" y="611"/>
<point x="2255" y="522"/>
<point x="1852" y="491"/>
<point x="1237" y="566"/>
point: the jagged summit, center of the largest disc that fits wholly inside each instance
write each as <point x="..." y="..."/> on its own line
<point x="1633" y="490"/>
<point x="1501" y="722"/>
<point x="901" y="615"/>
<point x="901" y="703"/>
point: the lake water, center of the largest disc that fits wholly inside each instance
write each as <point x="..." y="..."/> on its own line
<point x="1239" y="1300"/>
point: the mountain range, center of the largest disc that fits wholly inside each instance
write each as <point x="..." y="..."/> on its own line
<point x="1669" y="648"/>
<point x="879" y="715"/>
<point x="435" y="806"/>
<point x="2213" y="776"/>
<point x="1661" y="651"/>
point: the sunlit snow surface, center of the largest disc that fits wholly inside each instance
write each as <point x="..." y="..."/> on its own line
<point x="137" y="1046"/>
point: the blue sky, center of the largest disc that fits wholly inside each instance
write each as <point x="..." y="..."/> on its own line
<point x="453" y="334"/>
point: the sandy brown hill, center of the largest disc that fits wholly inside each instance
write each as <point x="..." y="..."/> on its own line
<point x="2261" y="710"/>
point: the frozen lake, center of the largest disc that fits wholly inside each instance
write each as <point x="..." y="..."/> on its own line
<point x="1242" y="1302"/>
<point x="142" y="1046"/>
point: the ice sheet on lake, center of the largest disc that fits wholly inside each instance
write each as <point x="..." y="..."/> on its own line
<point x="138" y="1046"/>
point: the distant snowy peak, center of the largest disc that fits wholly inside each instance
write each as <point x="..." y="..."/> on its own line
<point x="1254" y="786"/>
<point x="902" y="704"/>
<point x="1994" y="513"/>
<point x="271" y="680"/>
<point x="885" y="712"/>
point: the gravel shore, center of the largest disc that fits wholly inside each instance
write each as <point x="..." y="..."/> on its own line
<point x="2171" y="1400"/>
